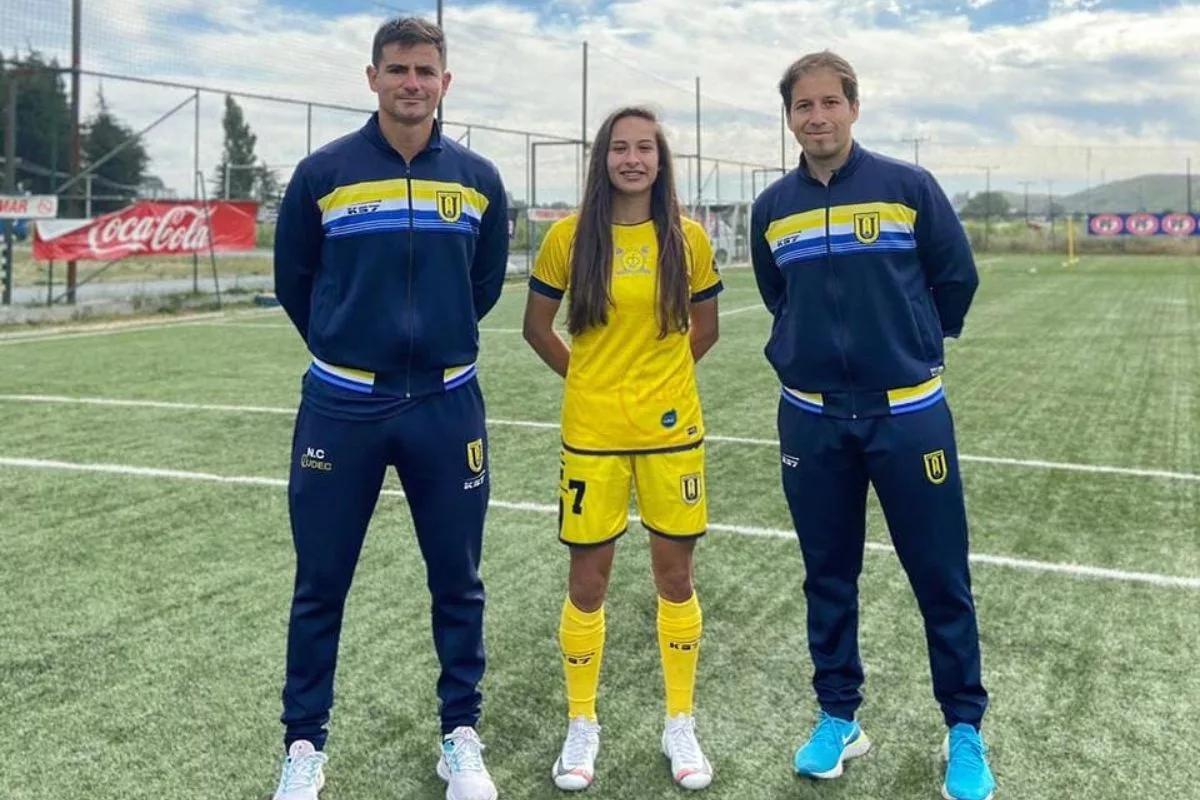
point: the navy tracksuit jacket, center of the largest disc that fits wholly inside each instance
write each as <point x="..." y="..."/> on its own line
<point x="864" y="277"/>
<point x="386" y="268"/>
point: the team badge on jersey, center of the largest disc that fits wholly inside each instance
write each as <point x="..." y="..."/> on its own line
<point x="866" y="227"/>
<point x="935" y="466"/>
<point x="475" y="455"/>
<point x="449" y="205"/>
<point x="632" y="262"/>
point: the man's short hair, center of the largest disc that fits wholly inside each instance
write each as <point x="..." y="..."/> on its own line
<point x="812" y="62"/>
<point x="408" y="32"/>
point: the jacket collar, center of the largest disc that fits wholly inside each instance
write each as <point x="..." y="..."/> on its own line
<point x="857" y="156"/>
<point x="375" y="135"/>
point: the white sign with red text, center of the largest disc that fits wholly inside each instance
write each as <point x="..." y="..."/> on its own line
<point x="28" y="206"/>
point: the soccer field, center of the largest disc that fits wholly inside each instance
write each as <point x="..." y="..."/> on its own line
<point x="146" y="565"/>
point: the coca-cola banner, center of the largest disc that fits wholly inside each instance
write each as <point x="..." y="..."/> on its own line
<point x="148" y="228"/>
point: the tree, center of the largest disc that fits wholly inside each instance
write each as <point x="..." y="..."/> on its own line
<point x="240" y="175"/>
<point x="43" y="121"/>
<point x="987" y="204"/>
<point x="116" y="180"/>
<point x="267" y="190"/>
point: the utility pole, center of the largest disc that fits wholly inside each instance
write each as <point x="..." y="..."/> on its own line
<point x="699" y="163"/>
<point x="10" y="178"/>
<point x="583" y="128"/>
<point x="1026" y="184"/>
<point x="1050" y="211"/>
<point x="916" y="142"/>
<point x="439" y="23"/>
<point x="987" y="204"/>
<point x="581" y="170"/>
<point x="76" y="138"/>
<point x="783" y="161"/>
<point x="1188" y="173"/>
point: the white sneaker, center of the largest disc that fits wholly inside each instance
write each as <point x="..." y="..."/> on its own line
<point x="575" y="767"/>
<point x="689" y="767"/>
<point x="302" y="775"/>
<point x="461" y="766"/>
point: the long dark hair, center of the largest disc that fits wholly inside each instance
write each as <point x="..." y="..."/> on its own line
<point x="592" y="253"/>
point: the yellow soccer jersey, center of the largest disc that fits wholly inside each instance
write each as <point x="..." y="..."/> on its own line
<point x="628" y="390"/>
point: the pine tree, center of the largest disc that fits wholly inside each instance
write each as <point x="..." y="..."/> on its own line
<point x="43" y="121"/>
<point x="234" y="178"/>
<point x="241" y="175"/>
<point x="120" y="176"/>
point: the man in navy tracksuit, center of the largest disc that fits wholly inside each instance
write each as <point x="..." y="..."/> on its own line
<point x="391" y="246"/>
<point x="865" y="268"/>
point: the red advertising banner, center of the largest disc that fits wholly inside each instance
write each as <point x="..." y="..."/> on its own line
<point x="148" y="228"/>
<point x="549" y="214"/>
<point x="1180" y="224"/>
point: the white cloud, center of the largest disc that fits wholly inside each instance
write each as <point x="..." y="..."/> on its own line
<point x="1027" y="100"/>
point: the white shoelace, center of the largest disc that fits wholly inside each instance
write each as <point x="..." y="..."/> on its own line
<point x="684" y="746"/>
<point x="301" y="773"/>
<point x="580" y="739"/>
<point x="466" y="754"/>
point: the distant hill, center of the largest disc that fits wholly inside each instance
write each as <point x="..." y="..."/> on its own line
<point x="1153" y="193"/>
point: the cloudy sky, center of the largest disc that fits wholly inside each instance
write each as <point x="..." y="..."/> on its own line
<point x="1051" y="94"/>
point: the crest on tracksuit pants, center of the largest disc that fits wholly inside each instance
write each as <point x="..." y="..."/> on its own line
<point x="475" y="455"/>
<point x="936" y="469"/>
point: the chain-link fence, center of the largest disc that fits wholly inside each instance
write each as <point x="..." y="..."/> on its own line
<point x="165" y="73"/>
<point x="170" y="86"/>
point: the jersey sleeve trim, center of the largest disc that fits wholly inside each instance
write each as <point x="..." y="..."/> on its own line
<point x="543" y="288"/>
<point x="709" y="293"/>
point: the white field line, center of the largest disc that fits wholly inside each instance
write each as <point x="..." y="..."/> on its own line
<point x="103" y="329"/>
<point x="240" y="324"/>
<point x="1095" y="469"/>
<point x="1074" y="570"/>
<point x="742" y="310"/>
<point x="88" y="331"/>
<point x="288" y="326"/>
<point x="215" y="318"/>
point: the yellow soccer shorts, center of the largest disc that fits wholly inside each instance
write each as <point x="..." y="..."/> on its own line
<point x="595" y="492"/>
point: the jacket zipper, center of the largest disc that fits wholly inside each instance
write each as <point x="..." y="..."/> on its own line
<point x="412" y="235"/>
<point x="833" y="281"/>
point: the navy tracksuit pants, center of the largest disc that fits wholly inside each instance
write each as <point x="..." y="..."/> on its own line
<point x="438" y="445"/>
<point x="827" y="464"/>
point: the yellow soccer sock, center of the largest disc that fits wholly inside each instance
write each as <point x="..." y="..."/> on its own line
<point x="679" y="627"/>
<point x="581" y="638"/>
